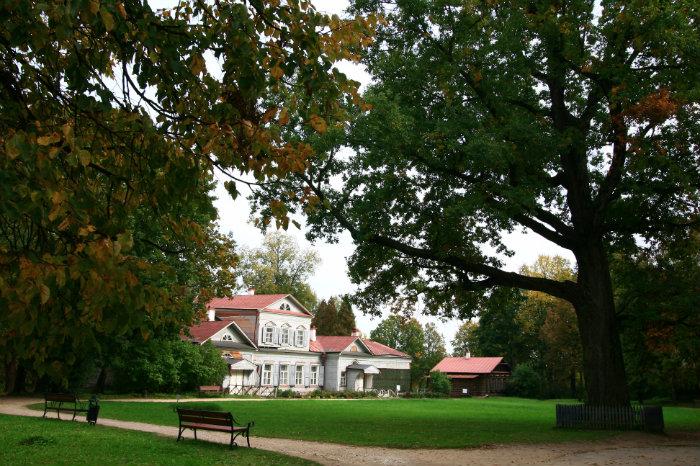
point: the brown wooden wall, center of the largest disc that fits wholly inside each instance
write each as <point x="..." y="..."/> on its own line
<point x="484" y="384"/>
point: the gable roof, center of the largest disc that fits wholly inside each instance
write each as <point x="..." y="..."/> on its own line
<point x="468" y="365"/>
<point x="382" y="350"/>
<point x="336" y="344"/>
<point x="257" y="302"/>
<point x="245" y="301"/>
<point x="203" y="331"/>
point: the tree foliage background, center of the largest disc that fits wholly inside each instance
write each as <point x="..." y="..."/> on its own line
<point x="113" y="119"/>
<point x="280" y="266"/>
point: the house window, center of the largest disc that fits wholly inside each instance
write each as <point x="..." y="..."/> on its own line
<point x="269" y="334"/>
<point x="284" y="339"/>
<point x="314" y="375"/>
<point x="267" y="374"/>
<point x="300" y="336"/>
<point x="343" y="380"/>
<point x="299" y="375"/>
<point x="284" y="374"/>
<point x="285" y="307"/>
<point x="227" y="337"/>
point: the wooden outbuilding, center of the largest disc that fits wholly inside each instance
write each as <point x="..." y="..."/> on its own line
<point x="475" y="376"/>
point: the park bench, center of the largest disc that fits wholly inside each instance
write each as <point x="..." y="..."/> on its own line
<point x="211" y="389"/>
<point x="217" y="421"/>
<point x="64" y="402"/>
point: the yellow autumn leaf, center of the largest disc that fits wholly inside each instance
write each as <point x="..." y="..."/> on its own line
<point x="107" y="20"/>
<point x="276" y="72"/>
<point x="45" y="293"/>
<point x="318" y="123"/>
<point x="121" y="10"/>
<point x="94" y="6"/>
<point x="47" y="139"/>
<point x="284" y="117"/>
<point x="84" y="157"/>
<point x="197" y="64"/>
<point x="11" y="150"/>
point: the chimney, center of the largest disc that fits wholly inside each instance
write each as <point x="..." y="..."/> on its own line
<point x="356" y="333"/>
<point x="211" y="314"/>
<point x="312" y="333"/>
<point x="251" y="291"/>
<point x="468" y="355"/>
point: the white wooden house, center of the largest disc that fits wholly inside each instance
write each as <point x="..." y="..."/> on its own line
<point x="269" y="344"/>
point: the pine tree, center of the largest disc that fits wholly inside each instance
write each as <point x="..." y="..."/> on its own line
<point x="345" y="322"/>
<point x="325" y="318"/>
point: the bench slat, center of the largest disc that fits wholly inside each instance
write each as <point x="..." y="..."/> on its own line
<point x="196" y="412"/>
<point x="203" y="420"/>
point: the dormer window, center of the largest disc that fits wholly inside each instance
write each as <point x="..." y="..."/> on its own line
<point x="227" y="337"/>
<point x="299" y="337"/>
<point x="285" y="335"/>
<point x="285" y="307"/>
<point x="269" y="333"/>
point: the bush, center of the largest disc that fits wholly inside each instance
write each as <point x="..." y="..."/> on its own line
<point x="524" y="382"/>
<point x="440" y="384"/>
<point x="288" y="393"/>
<point x="168" y="366"/>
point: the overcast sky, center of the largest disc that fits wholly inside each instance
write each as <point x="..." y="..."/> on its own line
<point x="331" y="278"/>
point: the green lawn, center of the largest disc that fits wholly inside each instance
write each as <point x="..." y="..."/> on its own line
<point x="407" y="423"/>
<point x="34" y="441"/>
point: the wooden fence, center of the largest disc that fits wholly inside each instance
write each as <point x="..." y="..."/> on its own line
<point x="648" y="418"/>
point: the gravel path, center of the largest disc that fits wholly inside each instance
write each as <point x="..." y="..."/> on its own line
<point x="628" y="449"/>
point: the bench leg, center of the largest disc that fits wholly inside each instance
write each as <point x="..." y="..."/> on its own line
<point x="179" y="433"/>
<point x="45" y="408"/>
<point x="247" y="436"/>
<point x="195" y="433"/>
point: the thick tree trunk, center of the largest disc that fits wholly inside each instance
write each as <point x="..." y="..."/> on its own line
<point x="10" y="376"/>
<point x="101" y="379"/>
<point x="603" y="365"/>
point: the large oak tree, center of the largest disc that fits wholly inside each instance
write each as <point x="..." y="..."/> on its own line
<point x="575" y="120"/>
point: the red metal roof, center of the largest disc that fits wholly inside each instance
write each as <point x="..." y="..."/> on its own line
<point x="468" y="365"/>
<point x="382" y="350"/>
<point x="204" y="331"/>
<point x="335" y="344"/>
<point x="246" y="301"/>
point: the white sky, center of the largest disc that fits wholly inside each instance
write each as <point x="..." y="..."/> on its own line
<point x="331" y="278"/>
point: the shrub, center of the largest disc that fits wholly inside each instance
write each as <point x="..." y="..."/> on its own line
<point x="524" y="382"/>
<point x="288" y="393"/>
<point x="440" y="383"/>
<point x="168" y="366"/>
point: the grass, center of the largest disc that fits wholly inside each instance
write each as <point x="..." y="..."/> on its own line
<point x="31" y="441"/>
<point x="403" y="423"/>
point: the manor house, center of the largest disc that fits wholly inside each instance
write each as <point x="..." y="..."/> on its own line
<point x="269" y="343"/>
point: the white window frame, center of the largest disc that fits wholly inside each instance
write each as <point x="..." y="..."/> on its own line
<point x="227" y="337"/>
<point x="313" y="379"/>
<point x="267" y="374"/>
<point x="284" y="335"/>
<point x="271" y="340"/>
<point x="299" y="336"/>
<point x="284" y="374"/>
<point x="343" y="379"/>
<point x="299" y="375"/>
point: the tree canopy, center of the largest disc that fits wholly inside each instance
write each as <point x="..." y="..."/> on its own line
<point x="577" y="121"/>
<point x="426" y="346"/>
<point x="280" y="266"/>
<point x="113" y="119"/>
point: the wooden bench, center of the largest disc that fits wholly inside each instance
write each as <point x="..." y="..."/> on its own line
<point x="211" y="389"/>
<point x="56" y="402"/>
<point x="217" y="421"/>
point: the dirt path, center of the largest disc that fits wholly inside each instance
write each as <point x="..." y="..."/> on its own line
<point x="629" y="449"/>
